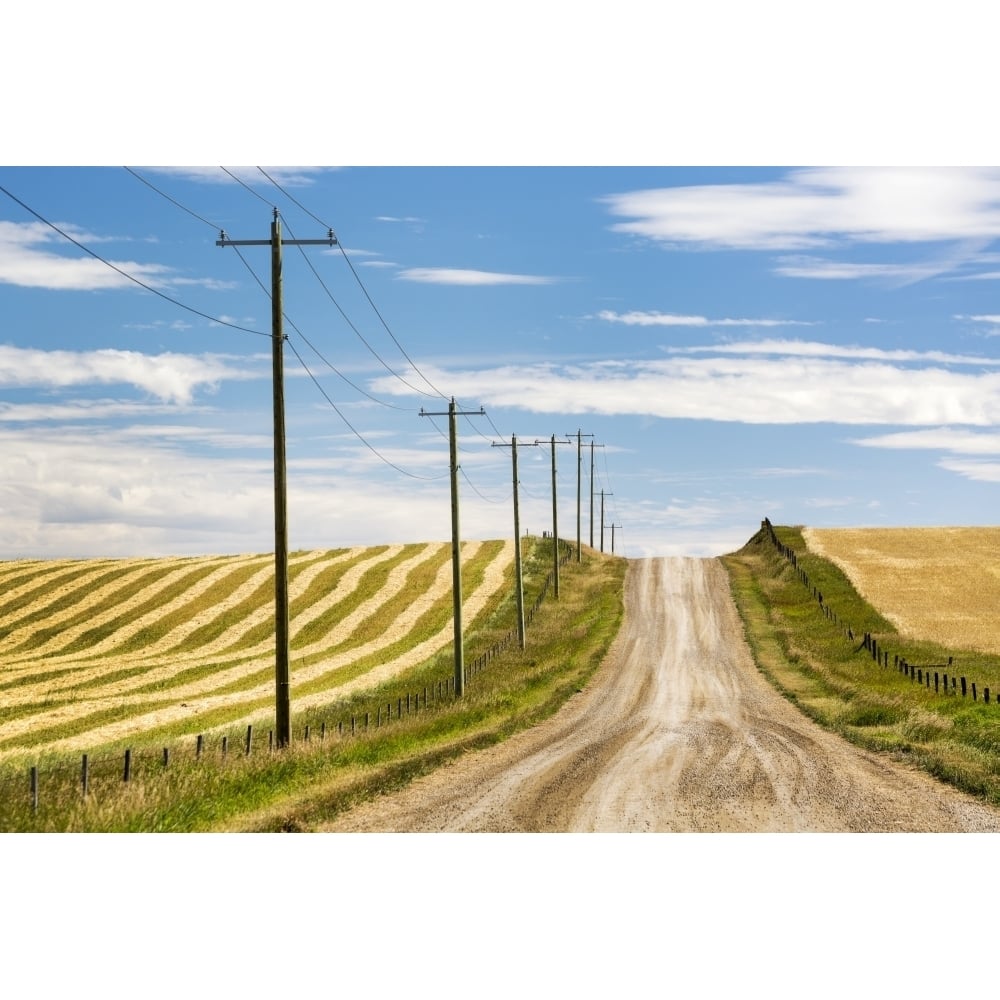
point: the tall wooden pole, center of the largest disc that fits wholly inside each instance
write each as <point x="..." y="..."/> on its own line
<point x="555" y="522"/>
<point x="456" y="551"/>
<point x="456" y="544"/>
<point x="517" y="549"/>
<point x="282" y="700"/>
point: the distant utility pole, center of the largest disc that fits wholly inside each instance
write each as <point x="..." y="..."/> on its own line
<point x="555" y="518"/>
<point x="282" y="722"/>
<point x="456" y="545"/>
<point x="613" y="526"/>
<point x="604" y="494"/>
<point x="592" y="446"/>
<point x="579" y="462"/>
<point x="517" y="541"/>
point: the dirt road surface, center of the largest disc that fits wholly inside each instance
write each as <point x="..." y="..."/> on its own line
<point x="676" y="732"/>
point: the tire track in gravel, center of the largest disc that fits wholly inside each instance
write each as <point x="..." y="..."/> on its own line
<point x="677" y="731"/>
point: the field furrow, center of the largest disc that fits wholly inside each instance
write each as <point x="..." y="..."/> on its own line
<point x="357" y="617"/>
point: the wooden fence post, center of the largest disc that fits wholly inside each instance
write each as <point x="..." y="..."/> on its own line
<point x="85" y="775"/>
<point x="974" y="698"/>
<point x="249" y="743"/>
<point x="34" y="788"/>
<point x="963" y="687"/>
<point x="166" y="756"/>
<point x="225" y="745"/>
<point x="128" y="765"/>
<point x="200" y="744"/>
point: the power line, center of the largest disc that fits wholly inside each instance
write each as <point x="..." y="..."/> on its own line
<point x="361" y="285"/>
<point x="353" y="429"/>
<point x="125" y="274"/>
<point x="264" y="288"/>
<point x="347" y="320"/>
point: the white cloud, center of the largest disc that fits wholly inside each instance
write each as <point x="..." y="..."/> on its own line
<point x="957" y="441"/>
<point x="463" y="276"/>
<point x="747" y="389"/>
<point x="25" y="261"/>
<point x="816" y="207"/>
<point x="639" y="318"/>
<point x="397" y="218"/>
<point x="992" y="319"/>
<point x="813" y="349"/>
<point x="984" y="472"/>
<point x="169" y="377"/>
<point x="829" y="270"/>
<point x="285" y="176"/>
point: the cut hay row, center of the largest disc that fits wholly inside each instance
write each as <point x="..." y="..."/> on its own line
<point x="382" y="611"/>
<point x="939" y="584"/>
<point x="89" y="681"/>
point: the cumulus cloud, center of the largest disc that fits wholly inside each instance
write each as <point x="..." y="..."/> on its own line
<point x="464" y="276"/>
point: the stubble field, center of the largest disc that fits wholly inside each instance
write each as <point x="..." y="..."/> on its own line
<point x="938" y="584"/>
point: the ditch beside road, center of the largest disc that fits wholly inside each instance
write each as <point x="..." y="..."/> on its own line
<point x="677" y="731"/>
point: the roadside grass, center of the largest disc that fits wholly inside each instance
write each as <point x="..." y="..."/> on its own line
<point x="307" y="784"/>
<point x="835" y="681"/>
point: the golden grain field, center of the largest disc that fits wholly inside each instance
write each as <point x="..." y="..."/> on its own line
<point x="93" y="651"/>
<point x="941" y="584"/>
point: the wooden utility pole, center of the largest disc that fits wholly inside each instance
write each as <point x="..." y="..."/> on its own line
<point x="555" y="519"/>
<point x="592" y="446"/>
<point x="579" y="468"/>
<point x="456" y="544"/>
<point x="604" y="494"/>
<point x="517" y="542"/>
<point x="282" y="699"/>
<point x="613" y="526"/>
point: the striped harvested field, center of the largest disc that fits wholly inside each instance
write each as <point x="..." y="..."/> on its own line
<point x="940" y="584"/>
<point x="96" y="651"/>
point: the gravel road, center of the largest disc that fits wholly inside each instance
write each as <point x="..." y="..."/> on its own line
<point x="676" y="732"/>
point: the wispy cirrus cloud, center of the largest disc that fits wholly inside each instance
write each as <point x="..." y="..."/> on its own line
<point x="290" y="176"/>
<point x="815" y="349"/>
<point x="748" y="388"/>
<point x="956" y="440"/>
<point x="28" y="260"/>
<point x="170" y="377"/>
<point x="639" y="318"/>
<point x="819" y="207"/>
<point x="466" y="276"/>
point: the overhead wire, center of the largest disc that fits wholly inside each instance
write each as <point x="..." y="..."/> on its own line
<point x="217" y="228"/>
<point x="130" y="277"/>
<point x="347" y="320"/>
<point x="361" y="284"/>
<point x="357" y="434"/>
<point x="267" y="293"/>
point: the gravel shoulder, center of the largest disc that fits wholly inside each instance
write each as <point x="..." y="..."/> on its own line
<point x="676" y="732"/>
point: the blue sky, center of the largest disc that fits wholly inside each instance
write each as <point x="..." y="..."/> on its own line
<point x="815" y="345"/>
